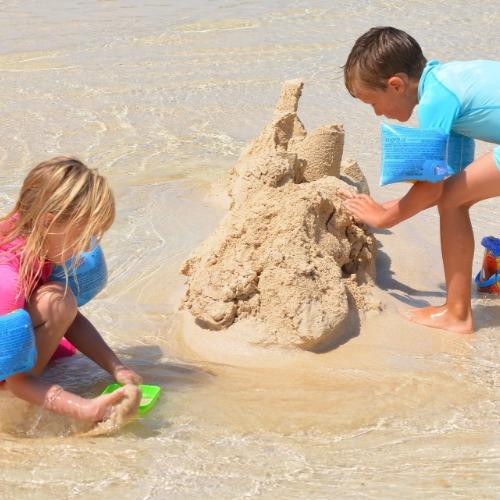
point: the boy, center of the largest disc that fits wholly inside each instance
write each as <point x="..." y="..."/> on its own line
<point x="386" y="69"/>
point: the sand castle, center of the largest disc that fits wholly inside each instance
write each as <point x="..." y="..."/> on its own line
<point x="287" y="265"/>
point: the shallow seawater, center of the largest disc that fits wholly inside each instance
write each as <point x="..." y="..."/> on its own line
<point x="161" y="97"/>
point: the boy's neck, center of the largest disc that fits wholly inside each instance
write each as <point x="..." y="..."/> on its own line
<point x="413" y="93"/>
<point x="408" y="97"/>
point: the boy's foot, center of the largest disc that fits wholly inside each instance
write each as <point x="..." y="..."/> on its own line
<point x="438" y="317"/>
<point x="115" y="412"/>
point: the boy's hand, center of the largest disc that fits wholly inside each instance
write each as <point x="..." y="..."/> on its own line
<point x="124" y="375"/>
<point x="365" y="209"/>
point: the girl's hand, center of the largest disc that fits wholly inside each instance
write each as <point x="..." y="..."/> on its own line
<point x="365" y="209"/>
<point x="124" y="375"/>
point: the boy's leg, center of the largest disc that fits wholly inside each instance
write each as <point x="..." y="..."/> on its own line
<point x="479" y="181"/>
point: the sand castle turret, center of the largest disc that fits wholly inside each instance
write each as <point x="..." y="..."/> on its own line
<point x="287" y="261"/>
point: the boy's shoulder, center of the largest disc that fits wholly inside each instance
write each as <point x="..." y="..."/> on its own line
<point x="463" y="79"/>
<point x="474" y="67"/>
<point x="462" y="72"/>
<point x="461" y="96"/>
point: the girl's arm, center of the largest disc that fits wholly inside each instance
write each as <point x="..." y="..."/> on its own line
<point x="84" y="336"/>
<point x="54" y="398"/>
<point x="422" y="195"/>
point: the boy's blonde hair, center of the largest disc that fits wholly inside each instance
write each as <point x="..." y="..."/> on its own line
<point x="61" y="193"/>
<point x="380" y="53"/>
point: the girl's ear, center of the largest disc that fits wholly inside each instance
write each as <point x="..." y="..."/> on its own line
<point x="48" y="220"/>
<point x="398" y="83"/>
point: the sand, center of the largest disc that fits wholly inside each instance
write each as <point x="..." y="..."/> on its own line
<point x="287" y="265"/>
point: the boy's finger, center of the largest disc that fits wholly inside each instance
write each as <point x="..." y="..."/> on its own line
<point x="353" y="206"/>
<point x="348" y="203"/>
<point x="351" y="202"/>
<point x="343" y="193"/>
<point x="352" y="209"/>
<point x="363" y="196"/>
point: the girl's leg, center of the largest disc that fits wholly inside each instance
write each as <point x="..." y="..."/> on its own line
<point x="479" y="181"/>
<point x="52" y="311"/>
<point x="54" y="398"/>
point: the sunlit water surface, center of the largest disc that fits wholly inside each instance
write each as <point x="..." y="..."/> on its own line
<point x="161" y="97"/>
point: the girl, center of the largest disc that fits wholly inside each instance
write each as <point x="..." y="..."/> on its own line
<point x="63" y="205"/>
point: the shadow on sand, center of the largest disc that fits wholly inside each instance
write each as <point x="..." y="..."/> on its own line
<point x="385" y="280"/>
<point x="352" y="328"/>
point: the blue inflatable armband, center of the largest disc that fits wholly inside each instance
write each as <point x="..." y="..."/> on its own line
<point x="460" y="151"/>
<point x="17" y="343"/>
<point x="413" y="154"/>
<point x="88" y="278"/>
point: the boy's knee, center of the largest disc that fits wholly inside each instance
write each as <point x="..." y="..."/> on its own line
<point x="446" y="204"/>
<point x="52" y="300"/>
<point x="435" y="193"/>
<point x="450" y="196"/>
<point x="449" y="201"/>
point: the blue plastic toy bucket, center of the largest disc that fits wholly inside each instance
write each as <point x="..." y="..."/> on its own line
<point x="488" y="279"/>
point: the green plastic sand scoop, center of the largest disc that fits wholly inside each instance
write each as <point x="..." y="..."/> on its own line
<point x="150" y="394"/>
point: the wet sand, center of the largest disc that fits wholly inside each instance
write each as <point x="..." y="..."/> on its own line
<point x="162" y="98"/>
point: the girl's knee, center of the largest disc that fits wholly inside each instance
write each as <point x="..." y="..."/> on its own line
<point x="52" y="301"/>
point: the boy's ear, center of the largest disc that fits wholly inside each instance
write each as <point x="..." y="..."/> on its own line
<point x="397" y="82"/>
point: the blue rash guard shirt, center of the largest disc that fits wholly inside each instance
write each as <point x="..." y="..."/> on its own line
<point x="462" y="98"/>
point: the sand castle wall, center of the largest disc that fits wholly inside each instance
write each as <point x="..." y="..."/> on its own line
<point x="287" y="261"/>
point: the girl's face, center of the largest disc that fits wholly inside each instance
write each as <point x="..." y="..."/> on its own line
<point x="61" y="242"/>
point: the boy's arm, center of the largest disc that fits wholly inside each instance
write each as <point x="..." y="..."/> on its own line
<point x="422" y="195"/>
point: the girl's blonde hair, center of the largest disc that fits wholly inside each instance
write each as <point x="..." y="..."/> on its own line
<point x="58" y="194"/>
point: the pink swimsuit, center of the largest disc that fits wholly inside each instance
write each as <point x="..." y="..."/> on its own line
<point x="10" y="287"/>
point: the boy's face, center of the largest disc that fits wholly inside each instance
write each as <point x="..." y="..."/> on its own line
<point x="396" y="101"/>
